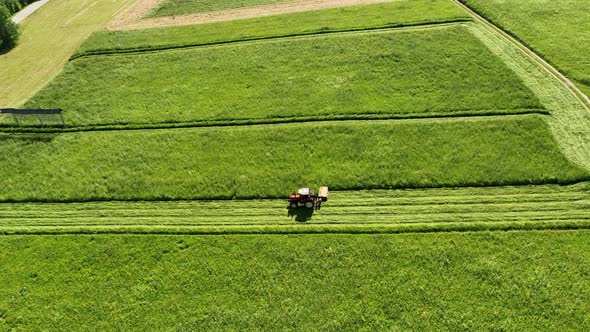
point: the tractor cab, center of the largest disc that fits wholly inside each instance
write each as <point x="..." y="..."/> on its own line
<point x="307" y="198"/>
<point x="304" y="196"/>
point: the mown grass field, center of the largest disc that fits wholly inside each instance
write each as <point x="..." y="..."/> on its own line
<point x="444" y="71"/>
<point x="558" y="30"/>
<point x="473" y="281"/>
<point x="270" y="160"/>
<point x="367" y="211"/>
<point x="386" y="15"/>
<point x="49" y="37"/>
<point x="179" y="7"/>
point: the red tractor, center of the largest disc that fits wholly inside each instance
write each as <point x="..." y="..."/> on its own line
<point x="307" y="198"/>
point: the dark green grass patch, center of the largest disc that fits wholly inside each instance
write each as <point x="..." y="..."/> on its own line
<point x="179" y="7"/>
<point x="427" y="72"/>
<point x="394" y="14"/>
<point x="270" y="161"/>
<point x="430" y="282"/>
<point x="558" y="30"/>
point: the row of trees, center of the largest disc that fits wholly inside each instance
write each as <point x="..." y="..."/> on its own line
<point x="9" y="32"/>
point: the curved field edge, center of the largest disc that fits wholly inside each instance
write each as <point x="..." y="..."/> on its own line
<point x="393" y="14"/>
<point x="548" y="32"/>
<point x="302" y="282"/>
<point x="570" y="119"/>
<point x="378" y="73"/>
<point x="265" y="161"/>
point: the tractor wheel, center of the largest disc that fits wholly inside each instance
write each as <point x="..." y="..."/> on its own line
<point x="309" y="205"/>
<point x="293" y="205"/>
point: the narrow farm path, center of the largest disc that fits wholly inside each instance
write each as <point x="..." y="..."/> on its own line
<point x="27" y="11"/>
<point x="373" y="211"/>
<point x="132" y="18"/>
<point x="570" y="115"/>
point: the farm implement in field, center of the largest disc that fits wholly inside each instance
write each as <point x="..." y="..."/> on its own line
<point x="305" y="197"/>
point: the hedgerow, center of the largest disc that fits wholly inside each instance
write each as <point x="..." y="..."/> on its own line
<point x="9" y="32"/>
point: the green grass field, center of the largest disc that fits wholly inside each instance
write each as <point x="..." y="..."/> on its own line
<point x="558" y="30"/>
<point x="394" y="14"/>
<point x="179" y="7"/>
<point x="366" y="211"/>
<point x="49" y="37"/>
<point x="446" y="281"/>
<point x="267" y="161"/>
<point x="459" y="172"/>
<point x="443" y="71"/>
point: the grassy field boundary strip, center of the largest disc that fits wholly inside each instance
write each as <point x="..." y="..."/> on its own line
<point x="224" y="11"/>
<point x="584" y="100"/>
<point x="569" y="120"/>
<point x="49" y="129"/>
<point x="393" y="14"/>
<point x="174" y="8"/>
<point x="226" y="163"/>
<point x="151" y="49"/>
<point x="555" y="225"/>
<point x="49" y="37"/>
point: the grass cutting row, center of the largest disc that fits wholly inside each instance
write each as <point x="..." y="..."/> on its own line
<point x="367" y="211"/>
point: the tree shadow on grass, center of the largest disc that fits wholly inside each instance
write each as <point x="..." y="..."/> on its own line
<point x="301" y="214"/>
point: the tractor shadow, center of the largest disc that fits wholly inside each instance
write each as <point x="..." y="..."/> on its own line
<point x="301" y="214"/>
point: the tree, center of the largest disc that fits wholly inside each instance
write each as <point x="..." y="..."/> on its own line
<point x="8" y="30"/>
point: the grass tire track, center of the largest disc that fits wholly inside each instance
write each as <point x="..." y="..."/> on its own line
<point x="376" y="211"/>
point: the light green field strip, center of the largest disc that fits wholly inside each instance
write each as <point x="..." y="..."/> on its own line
<point x="570" y="120"/>
<point x="535" y="280"/>
<point x="179" y="7"/>
<point x="394" y="14"/>
<point x="390" y="72"/>
<point x="49" y="37"/>
<point x="558" y="30"/>
<point x="416" y="210"/>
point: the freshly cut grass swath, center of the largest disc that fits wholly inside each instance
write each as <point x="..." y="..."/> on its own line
<point x="558" y="30"/>
<point x="269" y="161"/>
<point x="357" y="211"/>
<point x="394" y="14"/>
<point x="426" y="72"/>
<point x="179" y="7"/>
<point x="426" y="282"/>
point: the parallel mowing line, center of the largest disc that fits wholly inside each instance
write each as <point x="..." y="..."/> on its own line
<point x="302" y="229"/>
<point x="409" y="26"/>
<point x="460" y="115"/>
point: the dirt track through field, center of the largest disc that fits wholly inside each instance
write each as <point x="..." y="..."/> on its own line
<point x="132" y="17"/>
